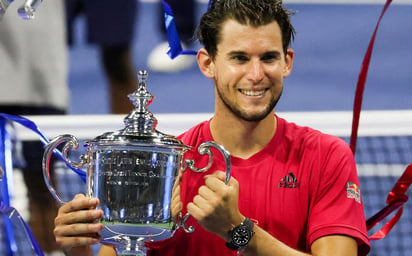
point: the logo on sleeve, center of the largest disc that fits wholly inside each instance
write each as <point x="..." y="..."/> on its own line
<point x="289" y="181"/>
<point x="353" y="191"/>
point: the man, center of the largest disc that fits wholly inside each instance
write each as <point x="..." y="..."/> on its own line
<point x="293" y="190"/>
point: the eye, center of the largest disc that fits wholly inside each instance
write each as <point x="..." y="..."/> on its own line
<point x="240" y="58"/>
<point x="270" y="57"/>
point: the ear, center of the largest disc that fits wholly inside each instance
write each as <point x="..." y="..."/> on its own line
<point x="205" y="63"/>
<point x="288" y="62"/>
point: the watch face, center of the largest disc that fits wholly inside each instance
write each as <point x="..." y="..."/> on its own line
<point x="241" y="236"/>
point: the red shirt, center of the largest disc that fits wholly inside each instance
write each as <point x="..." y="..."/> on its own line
<point x="303" y="185"/>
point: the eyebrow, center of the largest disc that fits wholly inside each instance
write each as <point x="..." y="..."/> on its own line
<point x="234" y="53"/>
<point x="275" y="53"/>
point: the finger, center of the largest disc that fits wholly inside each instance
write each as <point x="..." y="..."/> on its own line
<point x="233" y="182"/>
<point x="222" y="177"/>
<point x="219" y="175"/>
<point x="83" y="199"/>
<point x="176" y="208"/>
<point x="214" y="183"/>
<point x="206" y="192"/>
<point x="208" y="200"/>
<point x="69" y="242"/>
<point x="193" y="210"/>
<point x="176" y="187"/>
<point x="78" y="196"/>
<point x="80" y="216"/>
<point x="176" y="192"/>
<point x="78" y="203"/>
<point x="176" y="204"/>
<point x="176" y="196"/>
<point x="79" y="229"/>
<point x="198" y="209"/>
<point x="201" y="202"/>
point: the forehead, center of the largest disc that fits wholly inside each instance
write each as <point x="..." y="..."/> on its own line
<point x="235" y="34"/>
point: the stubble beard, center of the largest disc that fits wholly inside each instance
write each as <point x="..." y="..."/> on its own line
<point x="253" y="117"/>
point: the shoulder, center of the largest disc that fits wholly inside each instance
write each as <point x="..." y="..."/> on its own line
<point x="193" y="135"/>
<point x="310" y="137"/>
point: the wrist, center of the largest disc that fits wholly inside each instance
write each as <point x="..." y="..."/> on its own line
<point x="78" y="250"/>
<point x="240" y="235"/>
<point x="225" y="232"/>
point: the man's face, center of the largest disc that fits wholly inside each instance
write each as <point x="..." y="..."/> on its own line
<point x="249" y="68"/>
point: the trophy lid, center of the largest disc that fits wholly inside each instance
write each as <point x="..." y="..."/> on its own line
<point x="140" y="124"/>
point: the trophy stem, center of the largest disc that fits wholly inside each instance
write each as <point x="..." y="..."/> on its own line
<point x="132" y="247"/>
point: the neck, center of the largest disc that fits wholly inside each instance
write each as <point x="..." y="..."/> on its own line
<point x="242" y="138"/>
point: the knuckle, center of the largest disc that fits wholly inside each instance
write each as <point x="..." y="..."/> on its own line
<point x="56" y="232"/>
<point x="57" y="220"/>
<point x="59" y="241"/>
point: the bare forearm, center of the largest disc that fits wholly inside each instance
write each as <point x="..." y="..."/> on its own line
<point x="263" y="244"/>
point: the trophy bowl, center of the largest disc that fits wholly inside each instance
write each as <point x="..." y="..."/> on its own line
<point x="132" y="172"/>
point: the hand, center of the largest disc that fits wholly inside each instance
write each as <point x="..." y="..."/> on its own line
<point x="75" y="224"/>
<point x="215" y="206"/>
<point x="176" y="204"/>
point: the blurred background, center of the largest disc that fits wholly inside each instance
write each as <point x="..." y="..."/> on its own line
<point x="331" y="40"/>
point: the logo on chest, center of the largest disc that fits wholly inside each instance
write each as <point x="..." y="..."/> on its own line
<point x="289" y="181"/>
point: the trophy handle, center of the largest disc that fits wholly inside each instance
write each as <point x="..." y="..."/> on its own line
<point x="71" y="143"/>
<point x="203" y="149"/>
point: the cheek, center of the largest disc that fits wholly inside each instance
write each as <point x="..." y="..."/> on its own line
<point x="226" y="76"/>
<point x="277" y="82"/>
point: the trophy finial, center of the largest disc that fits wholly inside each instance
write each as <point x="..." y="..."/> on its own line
<point x="141" y="120"/>
<point x="141" y="98"/>
<point x="142" y="76"/>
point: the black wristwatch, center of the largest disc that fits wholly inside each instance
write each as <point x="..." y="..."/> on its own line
<point x="240" y="235"/>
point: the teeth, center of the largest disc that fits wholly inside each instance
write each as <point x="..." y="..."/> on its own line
<point x="253" y="93"/>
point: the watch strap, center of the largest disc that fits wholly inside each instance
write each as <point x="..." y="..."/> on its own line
<point x="248" y="224"/>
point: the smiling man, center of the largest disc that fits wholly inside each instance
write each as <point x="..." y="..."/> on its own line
<point x="287" y="194"/>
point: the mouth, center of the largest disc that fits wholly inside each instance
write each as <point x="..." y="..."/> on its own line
<point x="253" y="92"/>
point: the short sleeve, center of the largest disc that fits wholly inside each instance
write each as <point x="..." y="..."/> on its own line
<point x="336" y="202"/>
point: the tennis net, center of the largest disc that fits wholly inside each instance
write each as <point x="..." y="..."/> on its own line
<point x="384" y="150"/>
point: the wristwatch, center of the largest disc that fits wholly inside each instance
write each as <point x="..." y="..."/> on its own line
<point x="240" y="235"/>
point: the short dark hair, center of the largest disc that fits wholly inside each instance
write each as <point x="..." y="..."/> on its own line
<point x="247" y="12"/>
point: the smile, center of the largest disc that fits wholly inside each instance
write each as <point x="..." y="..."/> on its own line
<point x="253" y="93"/>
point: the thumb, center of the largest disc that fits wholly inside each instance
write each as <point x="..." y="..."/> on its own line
<point x="221" y="175"/>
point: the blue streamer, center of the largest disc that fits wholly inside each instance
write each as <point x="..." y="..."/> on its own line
<point x="5" y="208"/>
<point x="33" y="241"/>
<point x="209" y="4"/>
<point x="4" y="194"/>
<point x="175" y="46"/>
<point x="32" y="126"/>
<point x="10" y="212"/>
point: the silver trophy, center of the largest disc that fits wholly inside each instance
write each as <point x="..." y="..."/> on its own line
<point x="132" y="172"/>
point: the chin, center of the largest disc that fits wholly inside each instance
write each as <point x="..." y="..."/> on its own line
<point x="255" y="117"/>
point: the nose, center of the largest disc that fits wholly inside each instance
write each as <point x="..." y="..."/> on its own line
<point x="255" y="71"/>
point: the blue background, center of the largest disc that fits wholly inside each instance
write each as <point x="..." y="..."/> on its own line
<point x="330" y="44"/>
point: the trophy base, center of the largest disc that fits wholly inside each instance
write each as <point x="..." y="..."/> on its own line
<point x="129" y="239"/>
